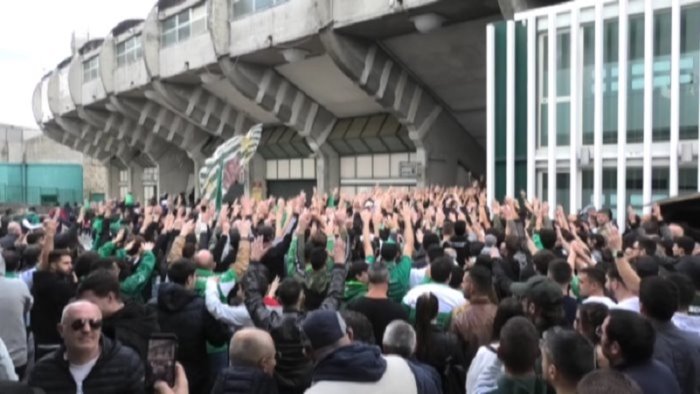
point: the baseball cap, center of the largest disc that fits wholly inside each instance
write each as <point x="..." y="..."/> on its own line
<point x="323" y="328"/>
<point x="539" y="289"/>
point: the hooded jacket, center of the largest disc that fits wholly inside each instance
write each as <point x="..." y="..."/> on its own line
<point x="358" y="368"/>
<point x="118" y="370"/>
<point x="239" y="379"/>
<point x="183" y="313"/>
<point x="132" y="326"/>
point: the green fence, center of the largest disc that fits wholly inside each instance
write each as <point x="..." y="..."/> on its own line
<point x="40" y="184"/>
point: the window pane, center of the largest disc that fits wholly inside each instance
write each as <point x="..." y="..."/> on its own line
<point x="587" y="94"/>
<point x="662" y="77"/>
<point x="635" y="84"/>
<point x="690" y="70"/>
<point x="687" y="181"/>
<point x="262" y="4"/>
<point x="242" y="8"/>
<point x="563" y="190"/>
<point x="659" y="183"/>
<point x="610" y="75"/>
<point x="563" y="64"/>
<point x="199" y="27"/>
<point x="563" y="123"/>
<point x="544" y="133"/>
<point x="183" y="17"/>
<point x="169" y="38"/>
<point x="635" y="188"/>
<point x="183" y="33"/>
<point x="169" y="24"/>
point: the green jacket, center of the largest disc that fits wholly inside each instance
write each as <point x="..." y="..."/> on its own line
<point x="109" y="249"/>
<point x="354" y="289"/>
<point x="133" y="286"/>
<point x="227" y="280"/>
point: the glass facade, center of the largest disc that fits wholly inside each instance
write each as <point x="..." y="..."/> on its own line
<point x="243" y="8"/>
<point x="563" y="189"/>
<point x="689" y="80"/>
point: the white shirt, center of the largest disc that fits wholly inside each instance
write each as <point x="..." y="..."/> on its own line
<point x="687" y="323"/>
<point x="601" y="300"/>
<point x="80" y="372"/>
<point x="629" y="304"/>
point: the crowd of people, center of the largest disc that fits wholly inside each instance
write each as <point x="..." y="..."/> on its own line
<point x="427" y="291"/>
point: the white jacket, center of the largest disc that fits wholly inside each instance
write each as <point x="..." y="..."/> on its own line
<point x="398" y="378"/>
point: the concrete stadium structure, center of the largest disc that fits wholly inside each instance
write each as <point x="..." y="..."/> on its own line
<point x="353" y="93"/>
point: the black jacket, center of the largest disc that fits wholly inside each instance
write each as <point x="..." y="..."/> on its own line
<point x="293" y="371"/>
<point x="446" y="355"/>
<point x="51" y="294"/>
<point x="244" y="380"/>
<point x="118" y="370"/>
<point x="132" y="326"/>
<point x="184" y="314"/>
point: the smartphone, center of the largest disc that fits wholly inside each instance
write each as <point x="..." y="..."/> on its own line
<point x="162" y="349"/>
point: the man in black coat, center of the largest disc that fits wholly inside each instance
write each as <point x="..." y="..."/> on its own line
<point x="54" y="284"/>
<point x="252" y="365"/>
<point x="129" y="322"/>
<point x="183" y="313"/>
<point x="88" y="362"/>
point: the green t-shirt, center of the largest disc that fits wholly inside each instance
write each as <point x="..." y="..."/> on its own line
<point x="399" y="276"/>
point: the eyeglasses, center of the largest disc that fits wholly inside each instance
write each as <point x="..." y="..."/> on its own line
<point x="78" y="325"/>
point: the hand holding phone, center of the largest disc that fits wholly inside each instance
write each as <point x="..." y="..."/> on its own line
<point x="162" y="350"/>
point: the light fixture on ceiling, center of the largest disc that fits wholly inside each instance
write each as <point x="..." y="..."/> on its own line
<point x="428" y="22"/>
<point x="293" y="55"/>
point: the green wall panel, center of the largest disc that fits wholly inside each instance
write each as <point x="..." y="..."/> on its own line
<point x="35" y="184"/>
<point x="500" y="110"/>
<point x="520" y="107"/>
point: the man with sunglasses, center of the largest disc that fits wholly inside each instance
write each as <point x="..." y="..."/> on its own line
<point x="88" y="362"/>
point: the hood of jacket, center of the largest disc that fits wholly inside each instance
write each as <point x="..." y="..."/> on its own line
<point x="354" y="289"/>
<point x="173" y="297"/>
<point x="134" y="317"/>
<point x="352" y="363"/>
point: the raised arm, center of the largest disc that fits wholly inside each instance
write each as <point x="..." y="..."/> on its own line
<point x="366" y="241"/>
<point x="50" y="232"/>
<point x="409" y="237"/>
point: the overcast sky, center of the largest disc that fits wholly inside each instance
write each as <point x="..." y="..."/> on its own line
<point x="36" y="36"/>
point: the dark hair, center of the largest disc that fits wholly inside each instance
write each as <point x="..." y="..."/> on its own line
<point x="519" y="345"/>
<point x="56" y="255"/>
<point x="12" y="260"/>
<point x="448" y="228"/>
<point x="686" y="243"/>
<point x="318" y="258"/>
<point x="686" y="289"/>
<point x="84" y="263"/>
<point x="441" y="269"/>
<point x="560" y="271"/>
<point x="389" y="251"/>
<point x="512" y="244"/>
<point x="362" y="329"/>
<point x="101" y="283"/>
<point x="378" y="273"/>
<point x="426" y="311"/>
<point x="542" y="259"/>
<point x="475" y="248"/>
<point x="633" y="333"/>
<point x="181" y="270"/>
<point x="508" y="308"/>
<point x="598" y="241"/>
<point x="289" y="292"/>
<point x="650" y="227"/>
<point x="481" y="279"/>
<point x="591" y="316"/>
<point x="30" y="256"/>
<point x="614" y="274"/>
<point x="460" y="228"/>
<point x="571" y="353"/>
<point x="435" y="252"/>
<point x="102" y="263"/>
<point x="648" y="244"/>
<point x="456" y="277"/>
<point x="267" y="232"/>
<point x="430" y="239"/>
<point x="548" y="238"/>
<point x="607" y="381"/>
<point x="658" y="297"/>
<point x="189" y="250"/>
<point x="595" y="275"/>
<point x="34" y="236"/>
<point x="356" y="269"/>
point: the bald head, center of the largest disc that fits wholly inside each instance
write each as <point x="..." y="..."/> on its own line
<point x="14" y="228"/>
<point x="204" y="259"/>
<point x="80" y="309"/>
<point x="250" y="346"/>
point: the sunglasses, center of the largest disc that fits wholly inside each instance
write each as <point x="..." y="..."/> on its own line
<point x="78" y="325"/>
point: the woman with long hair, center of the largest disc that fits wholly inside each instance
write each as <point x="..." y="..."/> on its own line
<point x="442" y="350"/>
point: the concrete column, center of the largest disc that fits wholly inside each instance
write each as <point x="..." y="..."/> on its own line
<point x="327" y="169"/>
<point x="256" y="172"/>
<point x="136" y="182"/>
<point x="174" y="171"/>
<point x="113" y="181"/>
<point x="441" y="142"/>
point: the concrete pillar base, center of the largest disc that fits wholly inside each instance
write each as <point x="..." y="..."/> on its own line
<point x="174" y="172"/>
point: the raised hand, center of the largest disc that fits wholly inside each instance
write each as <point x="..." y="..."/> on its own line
<point x="258" y="249"/>
<point x="339" y="251"/>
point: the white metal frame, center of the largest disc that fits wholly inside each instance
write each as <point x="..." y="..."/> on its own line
<point x="510" y="109"/>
